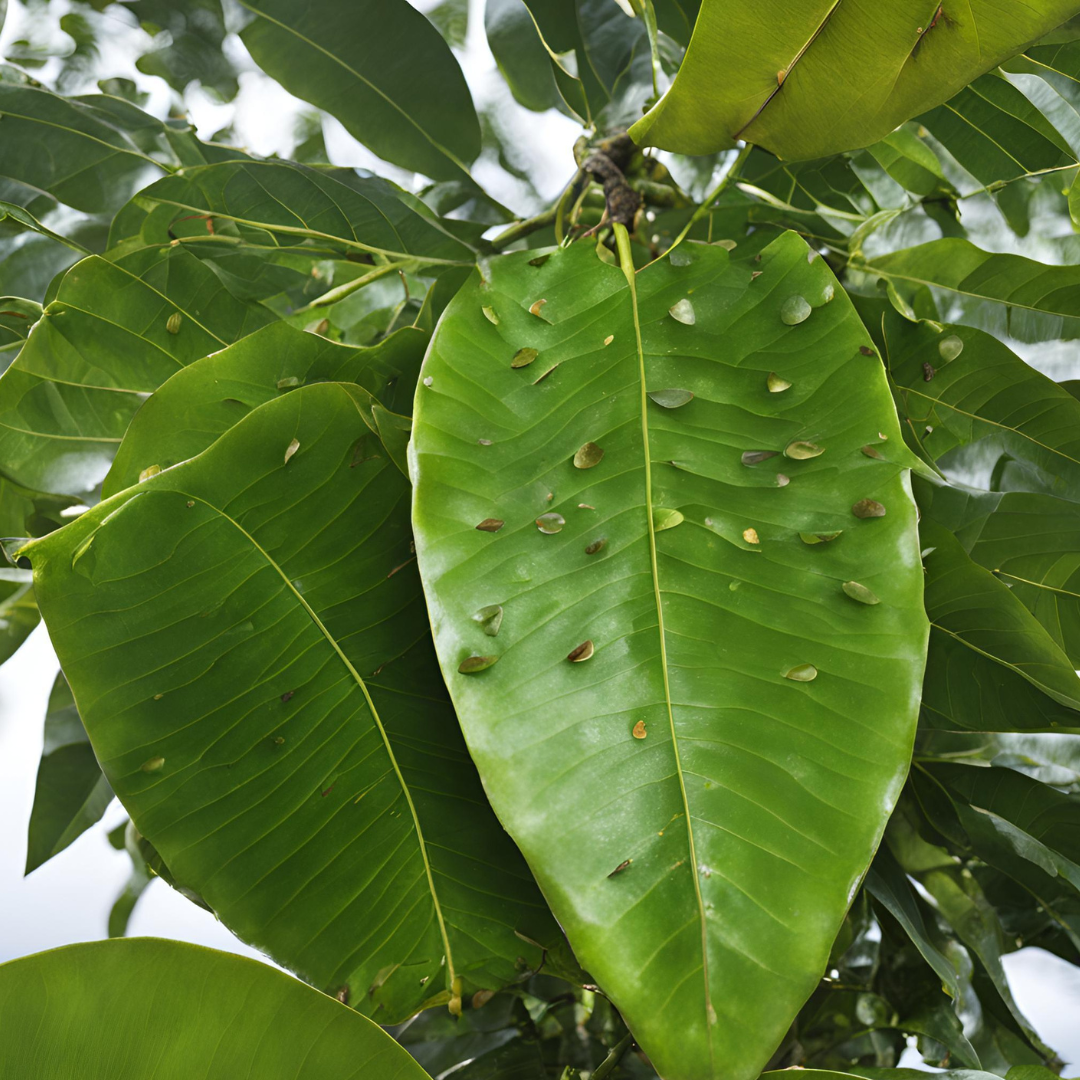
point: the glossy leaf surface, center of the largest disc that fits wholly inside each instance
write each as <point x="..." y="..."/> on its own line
<point x="121" y="1010"/>
<point x="380" y="68"/>
<point x="686" y="808"/>
<point x="245" y="638"/>
<point x="830" y="76"/>
<point x="71" y="794"/>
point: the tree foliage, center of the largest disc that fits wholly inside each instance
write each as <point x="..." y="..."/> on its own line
<point x="713" y="530"/>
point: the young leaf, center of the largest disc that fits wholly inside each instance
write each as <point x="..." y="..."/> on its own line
<point x="696" y="940"/>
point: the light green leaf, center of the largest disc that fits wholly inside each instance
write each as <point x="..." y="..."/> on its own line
<point x="1006" y="294"/>
<point x="829" y="76"/>
<point x="111" y="1010"/>
<point x="102" y="345"/>
<point x="276" y="202"/>
<point x="246" y="640"/>
<point x="709" y="937"/>
<point x="380" y="68"/>
<point x="990" y="666"/>
<point x="911" y="163"/>
<point x="71" y="794"/>
<point x="205" y="399"/>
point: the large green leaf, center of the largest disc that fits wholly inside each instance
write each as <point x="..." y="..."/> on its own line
<point x="990" y="666"/>
<point x="830" y="76"/>
<point x="698" y="821"/>
<point x="123" y="1010"/>
<point x="1006" y="294"/>
<point x="71" y="794"/>
<point x="378" y="66"/>
<point x="115" y="331"/>
<point x="203" y="400"/>
<point x="245" y="638"/>
<point x="294" y="202"/>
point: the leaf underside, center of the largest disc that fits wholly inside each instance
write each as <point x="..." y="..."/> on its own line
<point x="700" y="600"/>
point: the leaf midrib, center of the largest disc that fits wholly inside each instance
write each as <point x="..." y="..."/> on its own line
<point x="627" y="260"/>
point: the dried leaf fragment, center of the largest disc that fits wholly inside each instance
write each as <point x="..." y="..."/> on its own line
<point x="860" y="593"/>
<point x="664" y="518"/>
<point x="534" y="309"/>
<point x="683" y="311"/>
<point x="751" y="536"/>
<point x="549" y="524"/>
<point x="587" y="456"/>
<point x="621" y="867"/>
<point x="753" y="457"/>
<point x="802" y="450"/>
<point x="868" y="508"/>
<point x="472" y="664"/>
<point x="490" y="619"/>
<point x="672" y="398"/>
<point x="639" y="731"/>
<point x="795" y="310"/>
<point x="581" y="653"/>
<point x="291" y="449"/>
<point x="608" y="340"/>
<point x="491" y="525"/>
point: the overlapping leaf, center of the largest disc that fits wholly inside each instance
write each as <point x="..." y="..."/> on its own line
<point x="244" y="637"/>
<point x="830" y="76"/>
<point x="688" y="809"/>
<point x="111" y="1010"/>
<point x="71" y="794"/>
<point x="115" y="331"/>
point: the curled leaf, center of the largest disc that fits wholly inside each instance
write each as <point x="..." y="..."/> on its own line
<point x="868" y="508"/>
<point x="534" y="309"/>
<point x="472" y="664"/>
<point x="549" y="524"/>
<point x="581" y="652"/>
<point x="795" y="310"/>
<point x="859" y="592"/>
<point x="291" y="449"/>
<point x="588" y="456"/>
<point x="490" y="619"/>
<point x="683" y="311"/>
<point x="671" y="399"/>
<point x="639" y="731"/>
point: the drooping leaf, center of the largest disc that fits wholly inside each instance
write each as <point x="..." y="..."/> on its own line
<point x="276" y="202"/>
<point x="245" y="638"/>
<point x="521" y="55"/>
<point x="1005" y="294"/>
<point x="380" y="68"/>
<point x="685" y="569"/>
<point x="103" y="343"/>
<point x="71" y="794"/>
<point x="990" y="665"/>
<point x="111" y="1010"/>
<point x="829" y="76"/>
